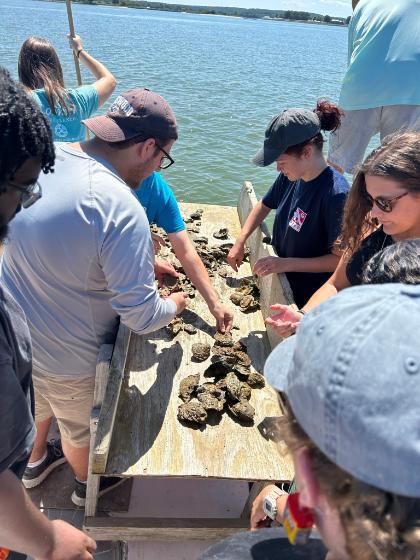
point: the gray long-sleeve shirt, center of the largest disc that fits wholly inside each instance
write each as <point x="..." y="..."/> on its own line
<point x="77" y="260"/>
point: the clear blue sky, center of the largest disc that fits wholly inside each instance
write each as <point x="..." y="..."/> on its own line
<point x="333" y="7"/>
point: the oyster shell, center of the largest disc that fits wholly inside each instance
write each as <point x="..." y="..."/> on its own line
<point x="192" y="411"/>
<point x="200" y="351"/>
<point x="255" y="379"/>
<point x="221" y="233"/>
<point x="188" y="386"/>
<point x="211" y="397"/>
<point x="223" y="339"/>
<point x="243" y="410"/>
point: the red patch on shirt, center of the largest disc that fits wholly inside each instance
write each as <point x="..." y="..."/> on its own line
<point x="298" y="218"/>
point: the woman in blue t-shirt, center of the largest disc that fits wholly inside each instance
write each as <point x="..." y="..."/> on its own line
<point x="308" y="197"/>
<point x="41" y="73"/>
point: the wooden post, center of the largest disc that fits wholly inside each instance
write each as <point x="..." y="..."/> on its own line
<point x="73" y="34"/>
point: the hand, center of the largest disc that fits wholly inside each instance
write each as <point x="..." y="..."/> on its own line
<point x="69" y="543"/>
<point x="236" y="255"/>
<point x="158" y="242"/>
<point x="286" y="321"/>
<point x="75" y="43"/>
<point x="271" y="265"/>
<point x="180" y="299"/>
<point x="223" y="316"/>
<point x="163" y="267"/>
<point x="258" y="517"/>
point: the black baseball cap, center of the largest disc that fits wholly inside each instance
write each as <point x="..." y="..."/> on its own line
<point x="291" y="127"/>
<point x="137" y="112"/>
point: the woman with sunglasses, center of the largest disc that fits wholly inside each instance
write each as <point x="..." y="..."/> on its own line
<point x="383" y="207"/>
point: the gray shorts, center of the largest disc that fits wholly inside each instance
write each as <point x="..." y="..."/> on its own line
<point x="348" y="144"/>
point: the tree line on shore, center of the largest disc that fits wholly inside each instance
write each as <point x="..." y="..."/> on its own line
<point x="254" y="13"/>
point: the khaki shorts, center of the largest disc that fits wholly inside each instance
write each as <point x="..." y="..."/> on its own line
<point x="70" y="400"/>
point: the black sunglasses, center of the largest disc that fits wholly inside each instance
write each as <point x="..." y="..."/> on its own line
<point x="29" y="194"/>
<point x="167" y="160"/>
<point x="384" y="204"/>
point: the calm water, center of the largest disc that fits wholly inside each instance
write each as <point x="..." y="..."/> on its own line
<point x="224" y="77"/>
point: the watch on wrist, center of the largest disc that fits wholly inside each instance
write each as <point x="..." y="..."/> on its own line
<point x="270" y="502"/>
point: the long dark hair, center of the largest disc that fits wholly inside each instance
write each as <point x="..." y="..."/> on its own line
<point x="398" y="158"/>
<point x="329" y="115"/>
<point x="24" y="131"/>
<point x="39" y="67"/>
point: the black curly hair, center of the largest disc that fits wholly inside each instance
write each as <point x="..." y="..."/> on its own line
<point x="24" y="131"/>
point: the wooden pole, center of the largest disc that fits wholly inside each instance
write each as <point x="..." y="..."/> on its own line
<point x="73" y="34"/>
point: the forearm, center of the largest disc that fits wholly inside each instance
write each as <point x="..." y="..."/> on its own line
<point x="197" y="273"/>
<point x="326" y="291"/>
<point x="325" y="263"/>
<point x="95" y="67"/>
<point x="23" y="528"/>
<point x="255" y="219"/>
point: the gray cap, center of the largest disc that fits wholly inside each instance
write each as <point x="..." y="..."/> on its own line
<point x="352" y="378"/>
<point x="289" y="128"/>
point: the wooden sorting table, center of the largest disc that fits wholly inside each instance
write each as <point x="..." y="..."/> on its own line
<point x="135" y="431"/>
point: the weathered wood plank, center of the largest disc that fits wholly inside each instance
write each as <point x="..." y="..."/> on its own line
<point x="274" y="288"/>
<point x="103" y="365"/>
<point x="169" y="529"/>
<point x="148" y="439"/>
<point x="110" y="401"/>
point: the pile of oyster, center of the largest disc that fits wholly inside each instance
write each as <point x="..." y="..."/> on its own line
<point x="229" y="388"/>
<point x="246" y="296"/>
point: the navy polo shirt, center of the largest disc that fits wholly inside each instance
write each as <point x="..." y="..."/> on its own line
<point x="307" y="222"/>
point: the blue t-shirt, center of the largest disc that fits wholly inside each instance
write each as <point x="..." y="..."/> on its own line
<point x="383" y="55"/>
<point x="307" y="222"/>
<point x="69" y="128"/>
<point x="160" y="204"/>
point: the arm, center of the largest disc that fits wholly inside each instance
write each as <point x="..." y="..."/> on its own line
<point x="256" y="217"/>
<point x="196" y="271"/>
<point x="23" y="528"/>
<point x="258" y="516"/>
<point x="105" y="81"/>
<point x="286" y="320"/>
<point x="270" y="265"/>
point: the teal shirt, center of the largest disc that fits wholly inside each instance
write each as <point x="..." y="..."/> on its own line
<point x="69" y="128"/>
<point x="159" y="203"/>
<point x="384" y="55"/>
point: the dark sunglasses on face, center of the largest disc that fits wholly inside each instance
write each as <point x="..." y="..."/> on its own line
<point x="29" y="194"/>
<point x="384" y="204"/>
<point x="167" y="160"/>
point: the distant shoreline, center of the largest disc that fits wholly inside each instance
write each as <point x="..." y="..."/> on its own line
<point x="241" y="13"/>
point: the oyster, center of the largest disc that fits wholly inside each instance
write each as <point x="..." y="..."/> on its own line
<point x="236" y="298"/>
<point x="175" y="326"/>
<point x="221" y="384"/>
<point x="192" y="411"/>
<point x="243" y="359"/>
<point x="211" y="397"/>
<point x="201" y="240"/>
<point x="234" y="387"/>
<point x="240" y="346"/>
<point x="243" y="410"/>
<point x="221" y="233"/>
<point x="255" y="379"/>
<point x="200" y="351"/>
<point x="223" y="272"/>
<point x="196" y="215"/>
<point x="190" y="329"/>
<point x="223" y="339"/>
<point x="188" y="386"/>
<point x="170" y="281"/>
<point x="249" y="303"/>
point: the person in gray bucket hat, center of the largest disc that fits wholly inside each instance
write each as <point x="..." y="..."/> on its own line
<point x="308" y="197"/>
<point x="351" y="379"/>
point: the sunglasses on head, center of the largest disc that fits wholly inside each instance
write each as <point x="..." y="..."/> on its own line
<point x="384" y="204"/>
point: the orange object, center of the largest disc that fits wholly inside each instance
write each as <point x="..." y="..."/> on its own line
<point x="4" y="553"/>
<point x="298" y="521"/>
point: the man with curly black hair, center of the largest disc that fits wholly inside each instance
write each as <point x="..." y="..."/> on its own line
<point x="26" y="148"/>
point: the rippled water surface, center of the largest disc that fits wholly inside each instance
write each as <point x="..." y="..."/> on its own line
<point x="224" y="77"/>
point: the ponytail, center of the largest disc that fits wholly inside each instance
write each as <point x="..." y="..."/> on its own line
<point x="329" y="115"/>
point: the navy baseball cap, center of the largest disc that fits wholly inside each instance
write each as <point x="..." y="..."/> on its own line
<point x="135" y="113"/>
<point x="351" y="375"/>
<point x="291" y="127"/>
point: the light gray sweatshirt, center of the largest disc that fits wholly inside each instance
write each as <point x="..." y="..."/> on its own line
<point x="79" y="259"/>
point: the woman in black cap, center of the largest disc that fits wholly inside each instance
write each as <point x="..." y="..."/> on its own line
<point x="308" y="197"/>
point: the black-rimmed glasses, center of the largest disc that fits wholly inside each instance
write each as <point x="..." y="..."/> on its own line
<point x="167" y="160"/>
<point x="29" y="194"/>
<point x="384" y="204"/>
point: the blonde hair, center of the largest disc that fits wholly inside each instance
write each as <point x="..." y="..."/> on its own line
<point x="378" y="525"/>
